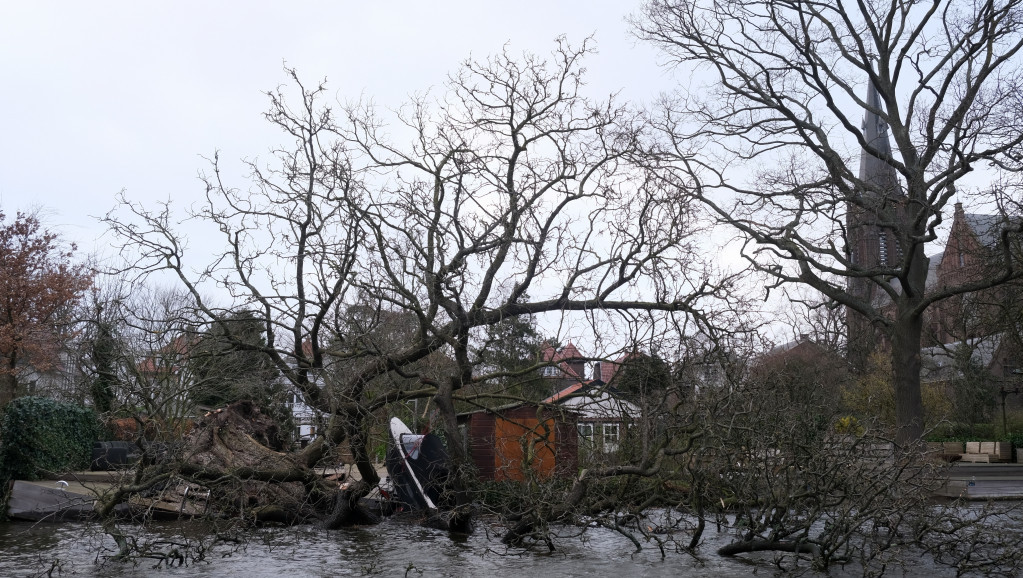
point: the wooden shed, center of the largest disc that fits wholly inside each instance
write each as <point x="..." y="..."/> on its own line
<point x="515" y="442"/>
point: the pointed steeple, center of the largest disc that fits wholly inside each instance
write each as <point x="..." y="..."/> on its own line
<point x="879" y="176"/>
<point x="872" y="243"/>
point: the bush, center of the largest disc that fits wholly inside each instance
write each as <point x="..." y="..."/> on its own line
<point x="984" y="432"/>
<point x="1016" y="438"/>
<point x="40" y="435"/>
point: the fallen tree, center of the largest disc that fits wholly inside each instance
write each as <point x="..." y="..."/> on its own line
<point x="363" y="261"/>
<point x="373" y="268"/>
<point x="224" y="468"/>
<point x="769" y="463"/>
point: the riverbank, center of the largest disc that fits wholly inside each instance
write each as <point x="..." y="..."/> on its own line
<point x="71" y="497"/>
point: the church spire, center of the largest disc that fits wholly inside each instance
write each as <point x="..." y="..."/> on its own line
<point x="872" y="242"/>
<point x="878" y="176"/>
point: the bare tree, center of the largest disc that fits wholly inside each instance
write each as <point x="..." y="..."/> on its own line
<point x="765" y="462"/>
<point x="156" y="330"/>
<point x="786" y="475"/>
<point x="515" y="195"/>
<point x="792" y="81"/>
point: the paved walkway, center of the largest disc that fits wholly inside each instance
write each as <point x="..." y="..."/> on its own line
<point x="984" y="481"/>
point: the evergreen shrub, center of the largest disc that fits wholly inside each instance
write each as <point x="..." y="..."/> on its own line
<point x="39" y="435"/>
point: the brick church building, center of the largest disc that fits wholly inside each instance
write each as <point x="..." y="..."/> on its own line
<point x="990" y="322"/>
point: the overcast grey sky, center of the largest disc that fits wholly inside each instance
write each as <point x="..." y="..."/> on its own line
<point x="103" y="96"/>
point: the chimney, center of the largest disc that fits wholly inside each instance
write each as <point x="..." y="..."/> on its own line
<point x="959" y="210"/>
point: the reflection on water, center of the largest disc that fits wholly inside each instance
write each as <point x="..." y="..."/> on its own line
<point x="393" y="548"/>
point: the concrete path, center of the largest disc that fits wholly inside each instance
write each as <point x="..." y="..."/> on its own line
<point x="978" y="481"/>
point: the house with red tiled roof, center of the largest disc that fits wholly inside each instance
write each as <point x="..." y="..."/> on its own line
<point x="567" y="366"/>
<point x="169" y="359"/>
<point x="564" y="366"/>
<point x="602" y="414"/>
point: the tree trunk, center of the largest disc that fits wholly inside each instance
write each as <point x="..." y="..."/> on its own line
<point x="460" y="517"/>
<point x="357" y="441"/>
<point x="909" y="409"/>
<point x="748" y="546"/>
<point x="8" y="389"/>
<point x="346" y="510"/>
<point x="336" y="434"/>
<point x="907" y="331"/>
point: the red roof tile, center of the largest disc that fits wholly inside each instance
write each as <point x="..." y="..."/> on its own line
<point x="564" y="359"/>
<point x="563" y="393"/>
<point x="547" y="352"/>
<point x="569" y="352"/>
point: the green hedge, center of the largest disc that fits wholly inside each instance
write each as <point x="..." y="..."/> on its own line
<point x="1015" y="437"/>
<point x="40" y="435"/>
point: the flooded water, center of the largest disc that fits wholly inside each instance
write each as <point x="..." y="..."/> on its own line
<point x="393" y="548"/>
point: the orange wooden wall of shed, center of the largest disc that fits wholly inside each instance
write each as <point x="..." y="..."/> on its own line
<point x="523" y="444"/>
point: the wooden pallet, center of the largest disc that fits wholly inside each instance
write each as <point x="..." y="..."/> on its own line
<point x="987" y="452"/>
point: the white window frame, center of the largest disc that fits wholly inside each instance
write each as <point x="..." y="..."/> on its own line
<point x="611" y="433"/>
<point x="585" y="430"/>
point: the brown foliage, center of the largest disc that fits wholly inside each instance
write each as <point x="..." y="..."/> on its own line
<point x="38" y="285"/>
